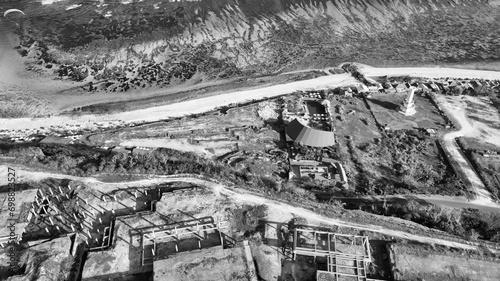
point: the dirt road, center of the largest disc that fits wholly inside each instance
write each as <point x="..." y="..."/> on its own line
<point x="245" y="197"/>
<point x="210" y="103"/>
<point x="179" y="109"/>
<point x="455" y="108"/>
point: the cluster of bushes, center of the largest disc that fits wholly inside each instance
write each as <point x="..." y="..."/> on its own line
<point x="494" y="96"/>
<point x="248" y="218"/>
<point x="73" y="72"/>
<point x="489" y="173"/>
<point x="469" y="223"/>
<point x="356" y="73"/>
<point x="402" y="157"/>
<point x="82" y="160"/>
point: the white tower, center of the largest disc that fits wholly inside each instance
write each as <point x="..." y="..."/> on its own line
<point x="408" y="106"/>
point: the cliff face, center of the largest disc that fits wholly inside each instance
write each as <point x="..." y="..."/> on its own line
<point x="222" y="38"/>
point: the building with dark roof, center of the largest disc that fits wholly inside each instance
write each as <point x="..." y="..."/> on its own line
<point x="401" y="87"/>
<point x="308" y="136"/>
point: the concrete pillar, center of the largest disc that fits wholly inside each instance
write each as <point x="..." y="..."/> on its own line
<point x="72" y="228"/>
<point x="135" y="193"/>
<point x="60" y="190"/>
<point x="51" y="221"/>
<point x="114" y="196"/>
<point x="104" y="199"/>
<point x="47" y="230"/>
<point x="51" y="192"/>
<point x="100" y="220"/>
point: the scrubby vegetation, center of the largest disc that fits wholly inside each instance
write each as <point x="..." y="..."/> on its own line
<point x="405" y="162"/>
<point x="82" y="160"/>
<point x="469" y="223"/>
<point x="485" y="159"/>
<point x="355" y="72"/>
<point x="87" y="161"/>
<point x="248" y="219"/>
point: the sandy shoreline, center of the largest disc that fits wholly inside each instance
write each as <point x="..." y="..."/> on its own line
<point x="179" y="109"/>
<point x="212" y="102"/>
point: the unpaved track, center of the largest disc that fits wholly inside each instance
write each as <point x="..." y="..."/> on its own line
<point x="457" y="111"/>
<point x="180" y="109"/>
<point x="202" y="105"/>
<point x="245" y="197"/>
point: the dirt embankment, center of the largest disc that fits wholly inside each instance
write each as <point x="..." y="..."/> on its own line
<point x="411" y="262"/>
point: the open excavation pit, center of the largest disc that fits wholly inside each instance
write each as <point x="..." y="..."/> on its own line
<point x="347" y="255"/>
<point x="168" y="227"/>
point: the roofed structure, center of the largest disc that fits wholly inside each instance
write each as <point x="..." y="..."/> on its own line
<point x="308" y="136"/>
<point x="362" y="88"/>
<point x="401" y="87"/>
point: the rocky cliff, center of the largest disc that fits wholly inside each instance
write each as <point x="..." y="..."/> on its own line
<point x="170" y="42"/>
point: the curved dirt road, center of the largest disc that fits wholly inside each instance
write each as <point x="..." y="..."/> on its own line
<point x="457" y="112"/>
<point x="246" y="197"/>
<point x="180" y="109"/>
<point x="202" y="105"/>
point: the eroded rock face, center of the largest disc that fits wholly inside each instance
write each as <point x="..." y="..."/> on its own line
<point x="225" y="38"/>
